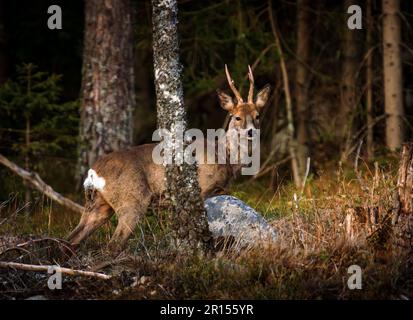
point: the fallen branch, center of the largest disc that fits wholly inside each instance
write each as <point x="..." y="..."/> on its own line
<point x="34" y="179"/>
<point x="45" y="268"/>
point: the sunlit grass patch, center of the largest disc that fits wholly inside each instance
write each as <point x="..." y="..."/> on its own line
<point x="309" y="259"/>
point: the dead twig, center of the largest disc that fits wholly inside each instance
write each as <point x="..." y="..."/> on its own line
<point x="60" y="242"/>
<point x="356" y="160"/>
<point x="42" y="268"/>
<point x="307" y="171"/>
<point x="265" y="168"/>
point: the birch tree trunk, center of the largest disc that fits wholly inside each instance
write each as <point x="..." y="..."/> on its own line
<point x="107" y="93"/>
<point x="348" y="77"/>
<point x="301" y="81"/>
<point x="190" y="222"/>
<point x="393" y="86"/>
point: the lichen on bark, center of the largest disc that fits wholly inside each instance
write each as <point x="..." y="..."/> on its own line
<point x="190" y="222"/>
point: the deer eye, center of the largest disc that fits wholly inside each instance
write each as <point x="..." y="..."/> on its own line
<point x="238" y="118"/>
<point x="257" y="117"/>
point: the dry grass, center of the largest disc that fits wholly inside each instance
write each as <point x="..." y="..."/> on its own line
<point x="309" y="261"/>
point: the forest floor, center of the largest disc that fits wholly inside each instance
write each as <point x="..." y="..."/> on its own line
<point x="310" y="259"/>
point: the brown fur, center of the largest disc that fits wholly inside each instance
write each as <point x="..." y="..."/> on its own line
<point x="132" y="178"/>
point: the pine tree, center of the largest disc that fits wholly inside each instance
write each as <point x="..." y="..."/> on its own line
<point x="107" y="94"/>
<point x="301" y="81"/>
<point x="39" y="123"/>
<point x="392" y="67"/>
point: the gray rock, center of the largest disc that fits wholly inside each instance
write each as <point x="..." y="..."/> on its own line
<point x="229" y="216"/>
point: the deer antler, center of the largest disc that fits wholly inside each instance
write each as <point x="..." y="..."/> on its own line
<point x="232" y="86"/>
<point x="251" y="91"/>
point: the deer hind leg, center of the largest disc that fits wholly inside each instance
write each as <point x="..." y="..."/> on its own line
<point x="128" y="218"/>
<point x="94" y="217"/>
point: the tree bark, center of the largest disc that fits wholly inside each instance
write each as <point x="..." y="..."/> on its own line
<point x="301" y="81"/>
<point x="403" y="229"/>
<point x="348" y="78"/>
<point x="190" y="222"/>
<point x="392" y="67"/>
<point x="369" y="80"/>
<point x="107" y="93"/>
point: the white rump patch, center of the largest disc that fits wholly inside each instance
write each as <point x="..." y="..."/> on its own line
<point x="93" y="181"/>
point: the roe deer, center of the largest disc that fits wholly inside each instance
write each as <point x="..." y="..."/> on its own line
<point x="124" y="182"/>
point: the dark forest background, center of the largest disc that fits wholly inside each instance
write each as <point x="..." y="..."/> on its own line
<point x="348" y="200"/>
<point x="212" y="33"/>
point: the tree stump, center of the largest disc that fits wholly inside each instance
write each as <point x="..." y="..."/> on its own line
<point x="403" y="218"/>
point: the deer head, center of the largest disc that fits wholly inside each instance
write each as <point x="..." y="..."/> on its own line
<point x="245" y="116"/>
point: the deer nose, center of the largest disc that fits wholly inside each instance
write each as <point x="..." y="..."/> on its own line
<point x="249" y="132"/>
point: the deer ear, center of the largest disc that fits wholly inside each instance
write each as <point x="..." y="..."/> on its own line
<point x="262" y="96"/>
<point x="225" y="100"/>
